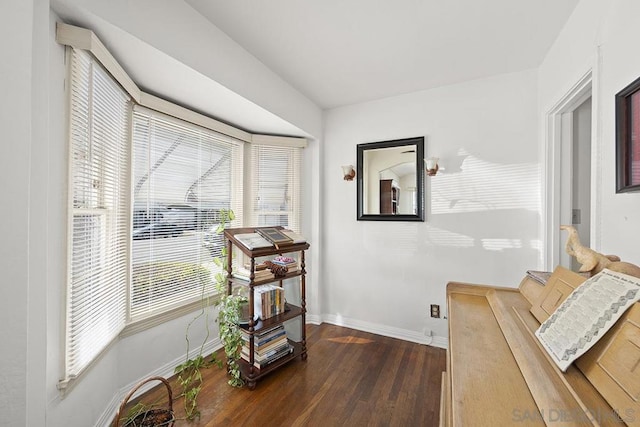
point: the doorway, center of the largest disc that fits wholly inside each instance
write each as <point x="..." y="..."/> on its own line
<point x="568" y="173"/>
<point x="575" y="200"/>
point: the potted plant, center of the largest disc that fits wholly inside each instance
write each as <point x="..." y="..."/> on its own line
<point x="230" y="309"/>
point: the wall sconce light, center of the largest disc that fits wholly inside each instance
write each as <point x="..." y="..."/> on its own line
<point x="349" y="172"/>
<point x="432" y="165"/>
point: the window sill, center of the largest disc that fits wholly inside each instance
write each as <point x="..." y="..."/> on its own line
<point x="66" y="385"/>
<point x="140" y="325"/>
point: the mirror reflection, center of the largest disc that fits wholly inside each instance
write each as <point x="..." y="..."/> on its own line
<point x="390" y="180"/>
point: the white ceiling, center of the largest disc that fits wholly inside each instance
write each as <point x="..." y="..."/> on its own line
<point x="339" y="52"/>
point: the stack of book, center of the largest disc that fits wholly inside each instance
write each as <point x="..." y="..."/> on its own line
<point x="290" y="263"/>
<point x="268" y="346"/>
<point x="268" y="301"/>
<point x="243" y="273"/>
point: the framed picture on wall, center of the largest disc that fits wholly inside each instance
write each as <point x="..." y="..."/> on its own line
<point x="628" y="138"/>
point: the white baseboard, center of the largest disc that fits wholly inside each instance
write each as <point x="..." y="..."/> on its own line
<point x="165" y="371"/>
<point x="314" y="319"/>
<point x="384" y="330"/>
<point x="440" y="342"/>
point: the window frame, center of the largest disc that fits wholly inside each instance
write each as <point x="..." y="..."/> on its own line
<point x="160" y="122"/>
<point x="97" y="150"/>
<point x="627" y="106"/>
<point x="294" y="160"/>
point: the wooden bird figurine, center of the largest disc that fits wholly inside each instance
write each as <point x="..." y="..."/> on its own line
<point x="590" y="260"/>
<point x="594" y="262"/>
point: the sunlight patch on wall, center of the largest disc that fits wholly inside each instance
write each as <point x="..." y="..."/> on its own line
<point x="536" y="244"/>
<point x="480" y="185"/>
<point x="403" y="239"/>
<point x="440" y="237"/>
<point x="501" y="244"/>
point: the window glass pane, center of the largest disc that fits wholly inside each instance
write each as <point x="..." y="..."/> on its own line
<point x="275" y="186"/>
<point x="182" y="180"/>
<point x="634" y="154"/>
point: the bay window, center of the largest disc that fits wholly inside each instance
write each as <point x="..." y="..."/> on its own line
<point x="148" y="180"/>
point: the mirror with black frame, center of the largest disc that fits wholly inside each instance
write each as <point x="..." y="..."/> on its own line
<point x="390" y="180"/>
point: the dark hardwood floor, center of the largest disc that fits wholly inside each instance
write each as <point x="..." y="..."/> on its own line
<point x="350" y="378"/>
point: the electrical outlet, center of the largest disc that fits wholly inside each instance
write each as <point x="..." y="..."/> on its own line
<point x="435" y="310"/>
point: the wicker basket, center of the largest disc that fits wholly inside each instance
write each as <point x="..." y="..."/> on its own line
<point x="154" y="417"/>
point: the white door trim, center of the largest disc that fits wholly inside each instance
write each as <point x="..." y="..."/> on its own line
<point x="552" y="166"/>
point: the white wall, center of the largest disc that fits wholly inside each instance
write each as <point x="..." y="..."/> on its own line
<point x="619" y="225"/>
<point x="600" y="36"/>
<point x="17" y="120"/>
<point x="482" y="209"/>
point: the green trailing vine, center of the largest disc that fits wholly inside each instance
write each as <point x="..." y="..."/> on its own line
<point x="190" y="372"/>
<point x="190" y="380"/>
<point x="231" y="335"/>
<point x="229" y="310"/>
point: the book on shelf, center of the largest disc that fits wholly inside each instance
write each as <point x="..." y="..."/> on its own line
<point x="290" y="263"/>
<point x="253" y="241"/>
<point x="284" y="259"/>
<point x="262" y="333"/>
<point x="258" y="266"/>
<point x="261" y="355"/>
<point x="263" y="341"/>
<point x="268" y="301"/>
<point x="275" y="236"/>
<point x="243" y="273"/>
<point x="266" y="362"/>
<point x="266" y="348"/>
<point x="262" y="344"/>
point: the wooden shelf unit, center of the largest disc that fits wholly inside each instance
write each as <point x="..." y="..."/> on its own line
<point x="250" y="373"/>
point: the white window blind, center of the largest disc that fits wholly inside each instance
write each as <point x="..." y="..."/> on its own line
<point x="275" y="186"/>
<point x="184" y="176"/>
<point x="99" y="197"/>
